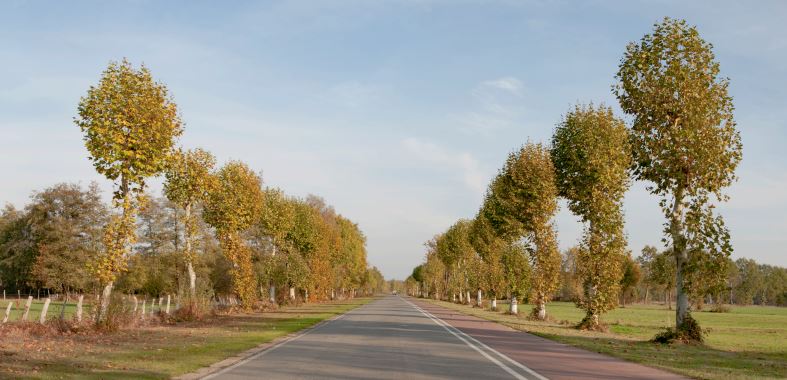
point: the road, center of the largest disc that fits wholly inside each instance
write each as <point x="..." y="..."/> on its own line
<point x="399" y="338"/>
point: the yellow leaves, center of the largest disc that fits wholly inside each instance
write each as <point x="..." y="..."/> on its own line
<point x="129" y="124"/>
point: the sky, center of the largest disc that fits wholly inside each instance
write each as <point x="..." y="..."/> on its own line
<point x="398" y="113"/>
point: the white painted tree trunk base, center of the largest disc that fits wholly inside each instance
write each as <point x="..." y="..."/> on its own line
<point x="513" y="307"/>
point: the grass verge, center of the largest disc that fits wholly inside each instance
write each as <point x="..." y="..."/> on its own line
<point x="750" y="342"/>
<point x="156" y="352"/>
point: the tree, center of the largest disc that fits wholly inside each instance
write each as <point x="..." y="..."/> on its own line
<point x="233" y="205"/>
<point x="65" y="224"/>
<point x="188" y="183"/>
<point x="520" y="204"/>
<point x="591" y="154"/>
<point x="130" y="124"/>
<point x="17" y="248"/>
<point x="630" y="278"/>
<point x="645" y="262"/>
<point x="684" y="142"/>
<point x="271" y="229"/>
<point x="490" y="248"/>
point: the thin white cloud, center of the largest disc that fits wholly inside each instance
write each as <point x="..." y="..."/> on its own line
<point x="496" y="104"/>
<point x="509" y="84"/>
<point x="463" y="162"/>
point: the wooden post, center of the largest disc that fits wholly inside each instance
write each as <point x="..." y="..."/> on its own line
<point x="144" y="301"/>
<point x="79" y="307"/>
<point x="27" y="308"/>
<point x="167" y="310"/>
<point x="42" y="319"/>
<point x="8" y="311"/>
<point x="135" y="304"/>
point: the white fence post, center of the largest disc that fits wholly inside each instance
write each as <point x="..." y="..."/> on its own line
<point x="27" y="308"/>
<point x="42" y="318"/>
<point x="79" y="307"/>
<point x="8" y="311"/>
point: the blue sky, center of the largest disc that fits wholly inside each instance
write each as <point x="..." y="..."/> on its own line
<point x="397" y="112"/>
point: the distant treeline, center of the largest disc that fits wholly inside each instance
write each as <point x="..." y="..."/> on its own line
<point x="650" y="277"/>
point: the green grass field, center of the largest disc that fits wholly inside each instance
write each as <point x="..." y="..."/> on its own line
<point x="155" y="352"/>
<point x="748" y="342"/>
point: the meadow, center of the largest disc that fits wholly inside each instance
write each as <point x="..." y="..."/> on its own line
<point x="746" y="343"/>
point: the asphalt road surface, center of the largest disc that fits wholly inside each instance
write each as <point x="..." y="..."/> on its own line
<point x="402" y="338"/>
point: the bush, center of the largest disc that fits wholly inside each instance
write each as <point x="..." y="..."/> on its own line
<point x="119" y="314"/>
<point x="689" y="332"/>
<point x="721" y="308"/>
<point x="195" y="307"/>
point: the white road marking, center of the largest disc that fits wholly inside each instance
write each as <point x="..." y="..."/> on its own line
<point x="267" y="350"/>
<point x="461" y="335"/>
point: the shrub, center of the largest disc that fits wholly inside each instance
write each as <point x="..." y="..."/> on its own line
<point x="689" y="332"/>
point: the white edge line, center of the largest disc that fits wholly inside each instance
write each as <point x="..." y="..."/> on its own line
<point x="438" y="321"/>
<point x="512" y="361"/>
<point x="277" y="345"/>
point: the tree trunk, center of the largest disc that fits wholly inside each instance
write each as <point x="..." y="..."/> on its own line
<point x="292" y="293"/>
<point x="468" y="299"/>
<point x="679" y="250"/>
<point x="479" y="300"/>
<point x="105" y="294"/>
<point x="272" y="293"/>
<point x="541" y="308"/>
<point x="681" y="299"/>
<point x="513" y="307"/>
<point x="494" y="304"/>
<point x="187" y="242"/>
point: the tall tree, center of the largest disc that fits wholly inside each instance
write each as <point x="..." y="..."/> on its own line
<point x="130" y="124"/>
<point x="591" y="154"/>
<point x="18" y="250"/>
<point x="684" y="142"/>
<point x="65" y="223"/>
<point x="188" y="183"/>
<point x="233" y="205"/>
<point x="271" y="229"/>
<point x="490" y="249"/>
<point x="520" y="204"/>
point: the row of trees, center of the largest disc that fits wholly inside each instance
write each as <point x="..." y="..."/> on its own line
<point x="650" y="277"/>
<point x="66" y="239"/>
<point x="682" y="140"/>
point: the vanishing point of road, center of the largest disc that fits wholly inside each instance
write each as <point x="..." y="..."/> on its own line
<point x="403" y="338"/>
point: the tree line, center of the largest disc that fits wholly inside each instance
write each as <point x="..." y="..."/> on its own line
<point x="215" y="231"/>
<point x="681" y="139"/>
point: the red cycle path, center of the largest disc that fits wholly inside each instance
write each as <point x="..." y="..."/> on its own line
<point x="550" y="359"/>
